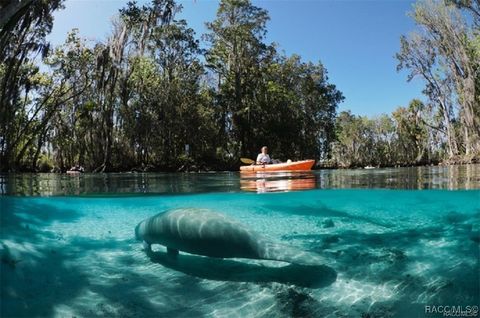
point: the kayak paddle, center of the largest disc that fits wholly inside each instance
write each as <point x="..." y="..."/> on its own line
<point x="247" y="161"/>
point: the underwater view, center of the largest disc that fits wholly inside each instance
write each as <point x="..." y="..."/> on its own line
<point x="371" y="243"/>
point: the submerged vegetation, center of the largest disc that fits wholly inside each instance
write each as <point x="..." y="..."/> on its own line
<point x="150" y="97"/>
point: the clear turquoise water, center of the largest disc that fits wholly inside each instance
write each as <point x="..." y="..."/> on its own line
<point x="389" y="252"/>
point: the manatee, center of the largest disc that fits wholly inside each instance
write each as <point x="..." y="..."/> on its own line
<point x="208" y="233"/>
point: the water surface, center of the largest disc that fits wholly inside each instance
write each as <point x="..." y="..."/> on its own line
<point x="46" y="184"/>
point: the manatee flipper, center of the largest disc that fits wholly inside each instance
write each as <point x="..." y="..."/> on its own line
<point x="147" y="247"/>
<point x="172" y="252"/>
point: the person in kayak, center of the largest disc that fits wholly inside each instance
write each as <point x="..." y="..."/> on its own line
<point x="263" y="158"/>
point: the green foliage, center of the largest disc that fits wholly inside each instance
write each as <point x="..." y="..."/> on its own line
<point x="400" y="139"/>
<point x="45" y="163"/>
<point x="444" y="53"/>
<point x="135" y="100"/>
<point x="264" y="97"/>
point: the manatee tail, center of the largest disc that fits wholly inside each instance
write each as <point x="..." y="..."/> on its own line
<point x="279" y="252"/>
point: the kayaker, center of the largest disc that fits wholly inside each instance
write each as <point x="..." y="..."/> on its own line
<point x="263" y="158"/>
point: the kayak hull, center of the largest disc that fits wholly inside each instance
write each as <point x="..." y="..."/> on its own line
<point x="292" y="166"/>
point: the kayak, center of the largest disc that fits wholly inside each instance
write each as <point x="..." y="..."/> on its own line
<point x="284" y="166"/>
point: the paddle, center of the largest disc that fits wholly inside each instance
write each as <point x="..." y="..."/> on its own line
<point x="247" y="161"/>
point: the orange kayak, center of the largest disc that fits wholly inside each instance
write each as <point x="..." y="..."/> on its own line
<point x="284" y="166"/>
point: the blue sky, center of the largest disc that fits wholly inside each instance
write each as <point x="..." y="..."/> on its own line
<point x="356" y="40"/>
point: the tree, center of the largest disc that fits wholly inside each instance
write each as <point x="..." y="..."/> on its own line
<point x="412" y="136"/>
<point x="24" y="114"/>
<point x="165" y="92"/>
<point x="236" y="56"/>
<point x="298" y="108"/>
<point x="445" y="56"/>
<point x="264" y="97"/>
<point x="349" y="132"/>
<point x="143" y="99"/>
<point x="72" y="126"/>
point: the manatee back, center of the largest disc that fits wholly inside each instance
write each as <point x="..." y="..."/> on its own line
<point x="203" y="232"/>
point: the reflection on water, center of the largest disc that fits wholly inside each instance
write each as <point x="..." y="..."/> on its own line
<point x="427" y="177"/>
<point x="446" y="177"/>
<point x="277" y="181"/>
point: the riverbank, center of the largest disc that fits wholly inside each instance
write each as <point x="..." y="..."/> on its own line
<point x="232" y="167"/>
<point x="458" y="160"/>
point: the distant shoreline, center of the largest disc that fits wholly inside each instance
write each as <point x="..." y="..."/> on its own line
<point x="316" y="168"/>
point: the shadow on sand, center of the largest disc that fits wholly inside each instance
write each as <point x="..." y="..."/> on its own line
<point x="25" y="218"/>
<point x="237" y="271"/>
<point x="33" y="259"/>
<point x="322" y="211"/>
